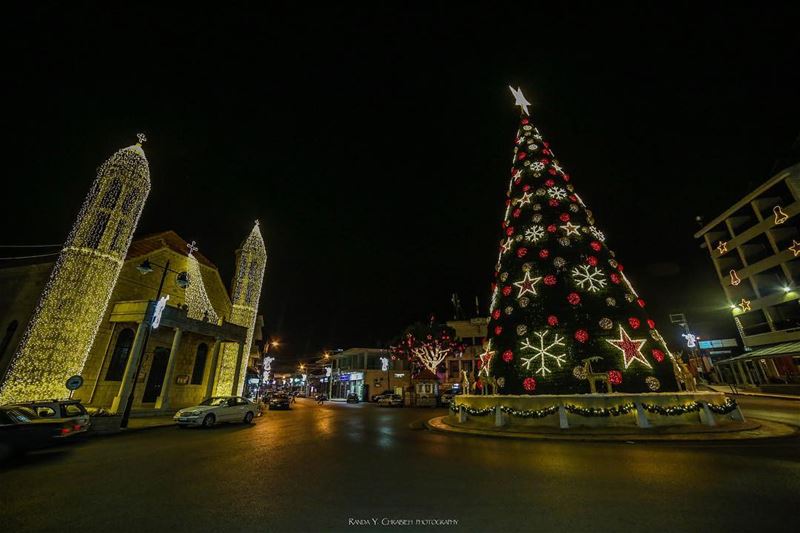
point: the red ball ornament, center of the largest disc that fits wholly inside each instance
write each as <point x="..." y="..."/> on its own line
<point x="552" y="228"/>
<point x="596" y="246"/>
<point x="508" y="356"/>
<point x="506" y="290"/>
<point x="574" y="298"/>
<point x="544" y="161"/>
<point x="504" y="224"/>
<point x="517" y="180"/>
<point x="552" y="171"/>
<point x="525" y="121"/>
<point x="510" y="231"/>
<point x="651" y="323"/>
<point x="526" y="188"/>
<point x="565" y="177"/>
<point x="529" y="384"/>
<point x="498" y="330"/>
<point x="581" y="335"/>
<point x="658" y="355"/>
<point x="620" y="267"/>
<point x="592" y="260"/>
<point x="640" y="302"/>
<point x="614" y="277"/>
<point x="634" y="322"/>
<point x="496" y="314"/>
<point x="522" y="252"/>
<point x="573" y="198"/>
<point x="552" y="320"/>
<point x="517" y="212"/>
<point x="550" y="279"/>
<point x="549" y="183"/>
<point x="544" y="253"/>
<point x="615" y="377"/>
<point x="521" y="156"/>
<point x="552" y="202"/>
<point x="564" y="217"/>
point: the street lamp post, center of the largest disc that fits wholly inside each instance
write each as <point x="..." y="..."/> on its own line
<point x="145" y="268"/>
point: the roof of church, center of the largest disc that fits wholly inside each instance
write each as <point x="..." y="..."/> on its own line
<point x="150" y="243"/>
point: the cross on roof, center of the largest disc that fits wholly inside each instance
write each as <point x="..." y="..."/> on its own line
<point x="192" y="247"/>
<point x="142" y="137"/>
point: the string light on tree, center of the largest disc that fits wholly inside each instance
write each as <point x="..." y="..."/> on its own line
<point x="71" y="307"/>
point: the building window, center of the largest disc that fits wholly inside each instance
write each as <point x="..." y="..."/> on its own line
<point x="116" y="368"/>
<point x="199" y="364"/>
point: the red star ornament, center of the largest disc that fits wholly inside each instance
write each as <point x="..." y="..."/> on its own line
<point x="631" y="348"/>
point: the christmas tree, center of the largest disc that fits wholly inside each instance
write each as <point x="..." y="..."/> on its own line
<point x="565" y="319"/>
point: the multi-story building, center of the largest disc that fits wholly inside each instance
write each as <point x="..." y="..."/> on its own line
<point x="755" y="248"/>
<point x="366" y="372"/>
<point x="472" y="333"/>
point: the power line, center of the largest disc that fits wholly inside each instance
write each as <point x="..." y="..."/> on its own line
<point x="28" y="256"/>
<point x="30" y="245"/>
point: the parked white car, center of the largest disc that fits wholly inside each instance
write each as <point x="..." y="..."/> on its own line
<point x="217" y="409"/>
<point x="391" y="400"/>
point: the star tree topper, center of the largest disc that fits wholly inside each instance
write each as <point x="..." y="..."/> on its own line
<point x="631" y="348"/>
<point x="519" y="99"/>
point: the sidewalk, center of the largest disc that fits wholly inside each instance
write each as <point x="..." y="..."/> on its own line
<point x="149" y="422"/>
<point x="726" y="389"/>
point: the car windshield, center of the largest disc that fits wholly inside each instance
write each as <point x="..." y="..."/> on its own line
<point x="215" y="401"/>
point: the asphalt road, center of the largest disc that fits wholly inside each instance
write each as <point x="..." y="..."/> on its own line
<point x="322" y="468"/>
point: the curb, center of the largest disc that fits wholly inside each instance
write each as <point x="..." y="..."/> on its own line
<point x="768" y="430"/>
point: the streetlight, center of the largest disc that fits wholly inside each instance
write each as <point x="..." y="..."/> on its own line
<point x="146" y="267"/>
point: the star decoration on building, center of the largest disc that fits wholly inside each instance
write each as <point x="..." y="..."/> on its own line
<point x="527" y="285"/>
<point x="745" y="305"/>
<point x="519" y="99"/>
<point x="571" y="229"/>
<point x="795" y="248"/>
<point x="722" y="247"/>
<point x="526" y="199"/>
<point x="631" y="348"/>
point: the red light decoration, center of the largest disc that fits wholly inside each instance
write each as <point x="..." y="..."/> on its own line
<point x="574" y="298"/>
<point x="581" y="335"/>
<point x="517" y="212"/>
<point x="521" y="156"/>
<point x="529" y="384"/>
<point x="526" y="188"/>
<point x="544" y="253"/>
<point x="522" y="252"/>
<point x="550" y="280"/>
<point x="552" y="320"/>
<point x="596" y="246"/>
<point x="640" y="302"/>
<point x="498" y="330"/>
<point x="592" y="260"/>
<point x="552" y="228"/>
<point x="549" y="183"/>
<point x="525" y="121"/>
<point x="506" y="290"/>
<point x="564" y="217"/>
<point x="510" y="231"/>
<point x="634" y="322"/>
<point x="620" y="267"/>
<point x="496" y="314"/>
<point x="553" y="202"/>
<point x="614" y="277"/>
<point x="615" y="377"/>
<point x="658" y="355"/>
<point x="651" y="323"/>
<point x="508" y="356"/>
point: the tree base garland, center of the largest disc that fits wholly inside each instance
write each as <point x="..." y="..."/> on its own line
<point x="672" y="410"/>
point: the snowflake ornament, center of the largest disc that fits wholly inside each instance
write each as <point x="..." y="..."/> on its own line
<point x="544" y="352"/>
<point x="534" y="233"/>
<point x="538" y="166"/>
<point x="589" y="278"/>
<point x="597" y="234"/>
<point x="557" y="193"/>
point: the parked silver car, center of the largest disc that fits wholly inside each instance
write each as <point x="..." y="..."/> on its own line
<point x="217" y="409"/>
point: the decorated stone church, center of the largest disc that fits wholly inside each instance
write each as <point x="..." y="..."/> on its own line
<point x="149" y="315"/>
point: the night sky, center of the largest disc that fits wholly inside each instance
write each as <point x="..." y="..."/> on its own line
<point x="374" y="144"/>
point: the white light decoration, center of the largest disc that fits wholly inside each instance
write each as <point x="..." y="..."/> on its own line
<point x="384" y="364"/>
<point x="745" y="305"/>
<point x="542" y="351"/>
<point x="267" y="367"/>
<point x="525" y="199"/>
<point x="65" y="322"/>
<point x="722" y="247"/>
<point x="519" y="99"/>
<point x="780" y="216"/>
<point x="588" y="278"/>
<point x="597" y="234"/>
<point x="795" y="248"/>
<point x="251" y="262"/>
<point x="735" y="280"/>
<point x="159" y="310"/>
<point x="534" y="233"/>
<point x="431" y="354"/>
<point x="557" y="193"/>
<point x="200" y="307"/>
<point x="486" y="360"/>
<point x="691" y="339"/>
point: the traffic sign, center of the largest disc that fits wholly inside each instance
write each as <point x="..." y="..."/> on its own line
<point x="74" y="383"/>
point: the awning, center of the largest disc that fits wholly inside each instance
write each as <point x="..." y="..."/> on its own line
<point x="776" y="350"/>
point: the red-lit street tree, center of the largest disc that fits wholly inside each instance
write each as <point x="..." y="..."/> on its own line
<point x="427" y="345"/>
<point x="564" y="316"/>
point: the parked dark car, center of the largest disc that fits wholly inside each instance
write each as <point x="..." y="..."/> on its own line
<point x="70" y="412"/>
<point x="21" y="430"/>
<point x="352" y="398"/>
<point x="447" y="397"/>
<point x="376" y="397"/>
<point x="279" y="401"/>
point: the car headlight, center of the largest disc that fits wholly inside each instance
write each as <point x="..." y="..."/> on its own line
<point x="189" y="413"/>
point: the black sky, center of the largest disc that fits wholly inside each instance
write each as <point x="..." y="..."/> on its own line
<point x="374" y="143"/>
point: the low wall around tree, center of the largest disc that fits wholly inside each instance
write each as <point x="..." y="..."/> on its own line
<point x="595" y="410"/>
